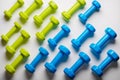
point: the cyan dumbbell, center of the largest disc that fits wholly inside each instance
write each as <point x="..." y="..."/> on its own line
<point x="95" y="7"/>
<point x="98" y="47"/>
<point x="70" y="72"/>
<point x="89" y="31"/>
<point x="112" y="56"/>
<point x="42" y="54"/>
<point x="63" y="53"/>
<point x="63" y="33"/>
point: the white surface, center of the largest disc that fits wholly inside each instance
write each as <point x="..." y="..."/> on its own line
<point x="109" y="15"/>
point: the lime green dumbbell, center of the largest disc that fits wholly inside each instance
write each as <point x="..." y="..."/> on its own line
<point x="51" y="25"/>
<point x="49" y="10"/>
<point x="14" y="29"/>
<point x="21" y="39"/>
<point x="8" y="13"/>
<point x="11" y="68"/>
<point x="35" y="5"/>
<point x="67" y="14"/>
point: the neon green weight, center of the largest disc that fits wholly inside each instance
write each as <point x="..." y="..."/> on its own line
<point x="51" y="25"/>
<point x="21" y="39"/>
<point x="8" y="13"/>
<point x="38" y="19"/>
<point x="67" y="14"/>
<point x="35" y="5"/>
<point x="14" y="29"/>
<point x="11" y="68"/>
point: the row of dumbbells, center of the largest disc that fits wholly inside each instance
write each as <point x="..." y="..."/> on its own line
<point x="62" y="55"/>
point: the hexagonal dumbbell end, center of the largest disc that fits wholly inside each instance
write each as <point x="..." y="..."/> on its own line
<point x="8" y="13"/>
<point x="64" y="52"/>
<point x="21" y="39"/>
<point x="11" y="68"/>
<point x="51" y="25"/>
<point x="63" y="33"/>
<point x="32" y="66"/>
<point x="112" y="56"/>
<point x="71" y="72"/>
<point x="98" y="47"/>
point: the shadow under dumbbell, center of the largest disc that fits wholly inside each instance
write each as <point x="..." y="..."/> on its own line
<point x="50" y="75"/>
<point x="8" y="55"/>
<point x="7" y="76"/>
<point x="28" y="74"/>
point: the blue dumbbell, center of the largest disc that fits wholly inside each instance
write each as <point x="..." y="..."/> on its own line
<point x="98" y="47"/>
<point x="42" y="54"/>
<point x="70" y="72"/>
<point x="63" y="53"/>
<point x="89" y="31"/>
<point x="63" y="33"/>
<point x="112" y="56"/>
<point x="95" y="7"/>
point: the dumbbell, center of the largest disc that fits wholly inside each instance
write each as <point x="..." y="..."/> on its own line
<point x="68" y="14"/>
<point x="18" y="4"/>
<point x="112" y="57"/>
<point x="38" y="19"/>
<point x="35" y="5"/>
<point x="13" y="30"/>
<point x="21" y="39"/>
<point x="42" y="54"/>
<point x="109" y="36"/>
<point x="95" y="7"/>
<point x="63" y="33"/>
<point x="11" y="68"/>
<point x="63" y="53"/>
<point x="51" y="25"/>
<point x="70" y="72"/>
<point x="89" y="31"/>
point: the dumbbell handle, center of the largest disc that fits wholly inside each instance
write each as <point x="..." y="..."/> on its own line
<point x="76" y="66"/>
<point x="105" y="63"/>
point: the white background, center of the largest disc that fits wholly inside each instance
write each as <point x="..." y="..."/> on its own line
<point x="109" y="16"/>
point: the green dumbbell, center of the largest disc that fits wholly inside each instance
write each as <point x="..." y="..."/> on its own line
<point x="11" y="68"/>
<point x="35" y="5"/>
<point x="14" y="29"/>
<point x="49" y="10"/>
<point x="21" y="39"/>
<point x="67" y="14"/>
<point x="8" y="13"/>
<point x="51" y="25"/>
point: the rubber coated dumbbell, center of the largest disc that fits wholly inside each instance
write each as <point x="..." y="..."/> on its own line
<point x="21" y="39"/>
<point x="14" y="29"/>
<point x="11" y="68"/>
<point x="112" y="56"/>
<point x="89" y="31"/>
<point x="67" y="14"/>
<point x="98" y="47"/>
<point x="63" y="33"/>
<point x="64" y="53"/>
<point x="49" y="10"/>
<point x="42" y="54"/>
<point x="35" y="5"/>
<point x="95" y="7"/>
<point x="8" y="13"/>
<point x="70" y="72"/>
<point x="51" y="25"/>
